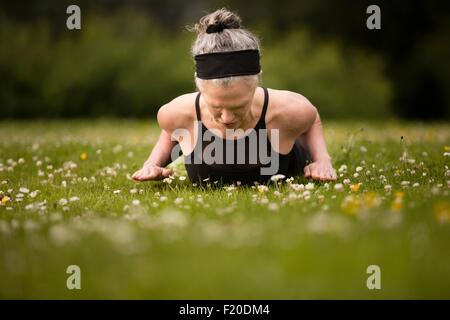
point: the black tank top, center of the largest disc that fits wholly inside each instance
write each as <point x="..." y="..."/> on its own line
<point x="244" y="166"/>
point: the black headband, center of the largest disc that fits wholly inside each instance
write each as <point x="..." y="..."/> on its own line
<point x="227" y="64"/>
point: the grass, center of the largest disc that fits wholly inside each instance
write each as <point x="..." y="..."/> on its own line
<point x="160" y="240"/>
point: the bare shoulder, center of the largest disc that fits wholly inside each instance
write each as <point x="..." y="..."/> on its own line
<point x="178" y="113"/>
<point x="290" y="110"/>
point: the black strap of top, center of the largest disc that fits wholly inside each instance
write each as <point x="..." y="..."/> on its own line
<point x="197" y="107"/>
<point x="262" y="119"/>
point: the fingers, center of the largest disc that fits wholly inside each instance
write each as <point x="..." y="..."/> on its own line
<point x="328" y="175"/>
<point x="323" y="176"/>
<point x="319" y="176"/>
<point x="144" y="174"/>
<point x="137" y="175"/>
<point x="166" y="172"/>
<point x="319" y="173"/>
<point x="333" y="175"/>
<point x="311" y="171"/>
<point x="151" y="173"/>
<point x="307" y="171"/>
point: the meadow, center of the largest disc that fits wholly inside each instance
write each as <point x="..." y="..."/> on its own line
<point x="67" y="198"/>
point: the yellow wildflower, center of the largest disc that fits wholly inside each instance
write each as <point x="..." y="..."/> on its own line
<point x="442" y="211"/>
<point x="83" y="156"/>
<point x="397" y="204"/>
<point x="371" y="200"/>
<point x="399" y="194"/>
<point x="351" y="205"/>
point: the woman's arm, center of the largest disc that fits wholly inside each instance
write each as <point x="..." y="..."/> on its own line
<point x="170" y="118"/>
<point x="160" y="155"/>
<point x="313" y="141"/>
<point x="154" y="167"/>
<point x="301" y="122"/>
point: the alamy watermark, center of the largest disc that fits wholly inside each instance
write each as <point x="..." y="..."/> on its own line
<point x="374" y="280"/>
<point x="374" y="20"/>
<point x="74" y="20"/>
<point x="74" y="280"/>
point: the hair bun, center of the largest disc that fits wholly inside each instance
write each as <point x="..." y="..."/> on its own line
<point x="217" y="21"/>
<point x="216" y="27"/>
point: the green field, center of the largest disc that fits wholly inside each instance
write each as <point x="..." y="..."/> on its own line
<point x="66" y="199"/>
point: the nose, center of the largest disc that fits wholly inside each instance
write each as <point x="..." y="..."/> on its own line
<point x="227" y="117"/>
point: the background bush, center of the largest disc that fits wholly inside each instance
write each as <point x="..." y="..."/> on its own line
<point x="123" y="64"/>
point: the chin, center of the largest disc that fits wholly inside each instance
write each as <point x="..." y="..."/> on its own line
<point x="231" y="126"/>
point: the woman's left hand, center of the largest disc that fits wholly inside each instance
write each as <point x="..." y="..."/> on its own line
<point x="320" y="170"/>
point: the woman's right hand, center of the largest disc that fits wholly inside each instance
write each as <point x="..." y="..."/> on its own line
<point x="151" y="172"/>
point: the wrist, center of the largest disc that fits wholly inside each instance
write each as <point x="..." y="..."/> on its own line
<point x="150" y="164"/>
<point x="323" y="158"/>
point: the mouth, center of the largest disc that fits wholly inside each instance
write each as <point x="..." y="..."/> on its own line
<point x="228" y="124"/>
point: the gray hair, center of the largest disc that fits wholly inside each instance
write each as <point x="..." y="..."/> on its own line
<point x="232" y="38"/>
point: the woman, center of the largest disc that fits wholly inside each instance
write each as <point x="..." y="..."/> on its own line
<point x="228" y="109"/>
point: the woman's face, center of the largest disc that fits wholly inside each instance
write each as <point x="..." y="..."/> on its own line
<point x="230" y="106"/>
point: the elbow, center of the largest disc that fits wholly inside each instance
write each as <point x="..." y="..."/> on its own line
<point x="161" y="117"/>
<point x="314" y="115"/>
<point x="317" y="118"/>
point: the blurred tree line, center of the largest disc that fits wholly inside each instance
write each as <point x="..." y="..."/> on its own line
<point x="131" y="57"/>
